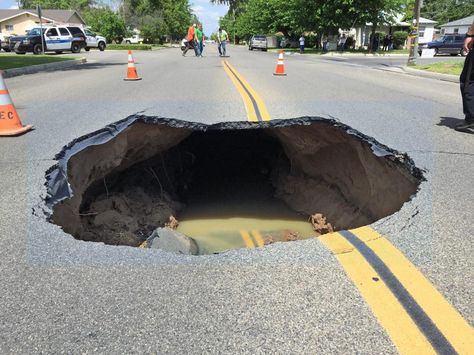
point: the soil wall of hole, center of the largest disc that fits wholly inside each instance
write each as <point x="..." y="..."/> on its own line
<point x="118" y="184"/>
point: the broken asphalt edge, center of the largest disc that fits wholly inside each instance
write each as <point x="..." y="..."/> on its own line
<point x="58" y="188"/>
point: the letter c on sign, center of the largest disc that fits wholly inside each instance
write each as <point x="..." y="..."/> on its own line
<point x="10" y="115"/>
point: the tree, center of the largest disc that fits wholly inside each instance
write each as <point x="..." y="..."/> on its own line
<point x="290" y="17"/>
<point x="293" y="17"/>
<point x="444" y="11"/>
<point x="158" y="18"/>
<point x="107" y="22"/>
<point x="56" y="4"/>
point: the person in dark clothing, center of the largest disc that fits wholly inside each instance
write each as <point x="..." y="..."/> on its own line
<point x="385" y="43"/>
<point x="467" y="84"/>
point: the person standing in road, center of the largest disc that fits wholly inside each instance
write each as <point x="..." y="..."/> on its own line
<point x="342" y="42"/>
<point x="385" y="43"/>
<point x="301" y="44"/>
<point x="199" y="39"/>
<point x="467" y="84"/>
<point x="325" y="43"/>
<point x="190" y="39"/>
<point x="222" y="39"/>
<point x="390" y="42"/>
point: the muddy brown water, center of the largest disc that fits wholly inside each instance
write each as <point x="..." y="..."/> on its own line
<point x="240" y="215"/>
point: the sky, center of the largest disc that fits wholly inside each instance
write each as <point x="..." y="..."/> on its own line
<point x="207" y="13"/>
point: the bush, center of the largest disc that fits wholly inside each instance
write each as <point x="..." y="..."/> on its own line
<point x="136" y="47"/>
<point x="399" y="39"/>
<point x="106" y="22"/>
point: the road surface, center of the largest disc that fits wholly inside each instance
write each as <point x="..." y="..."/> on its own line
<point x="64" y="295"/>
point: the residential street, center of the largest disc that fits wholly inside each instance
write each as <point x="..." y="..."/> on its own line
<point x="62" y="295"/>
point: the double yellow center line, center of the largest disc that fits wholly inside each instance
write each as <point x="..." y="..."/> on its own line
<point x="254" y="105"/>
<point x="415" y="315"/>
<point x="249" y="242"/>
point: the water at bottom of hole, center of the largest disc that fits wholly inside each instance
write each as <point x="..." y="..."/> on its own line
<point x="243" y="214"/>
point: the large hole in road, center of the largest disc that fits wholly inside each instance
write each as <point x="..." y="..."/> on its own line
<point x="230" y="185"/>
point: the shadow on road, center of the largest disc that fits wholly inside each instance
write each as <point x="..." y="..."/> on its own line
<point x="450" y="122"/>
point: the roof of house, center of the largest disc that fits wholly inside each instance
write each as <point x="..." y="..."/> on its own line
<point x="54" y="15"/>
<point x="467" y="21"/>
<point x="427" y="21"/>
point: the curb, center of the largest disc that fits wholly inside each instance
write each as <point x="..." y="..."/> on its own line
<point x="344" y="54"/>
<point x="431" y="75"/>
<point x="33" y="69"/>
<point x="374" y="55"/>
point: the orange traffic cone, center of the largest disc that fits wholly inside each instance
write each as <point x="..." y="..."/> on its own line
<point x="132" y="71"/>
<point x="10" y="124"/>
<point x="280" y="68"/>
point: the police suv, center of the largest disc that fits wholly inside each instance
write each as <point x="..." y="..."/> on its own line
<point x="55" y="39"/>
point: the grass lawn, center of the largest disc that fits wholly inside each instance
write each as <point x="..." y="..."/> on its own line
<point x="9" y="61"/>
<point x="448" y="67"/>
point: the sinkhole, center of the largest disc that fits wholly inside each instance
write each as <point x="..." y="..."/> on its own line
<point x="224" y="186"/>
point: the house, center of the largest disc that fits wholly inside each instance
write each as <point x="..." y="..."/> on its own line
<point x="426" y="30"/>
<point x="459" y="26"/>
<point x="362" y="34"/>
<point x="18" y="21"/>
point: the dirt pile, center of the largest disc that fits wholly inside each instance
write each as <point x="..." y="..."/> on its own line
<point x="126" y="218"/>
<point x="320" y="225"/>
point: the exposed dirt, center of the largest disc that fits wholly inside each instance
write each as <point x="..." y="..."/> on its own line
<point x="126" y="187"/>
<point x="320" y="225"/>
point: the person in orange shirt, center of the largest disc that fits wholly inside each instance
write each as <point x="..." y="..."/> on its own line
<point x="467" y="84"/>
<point x="190" y="42"/>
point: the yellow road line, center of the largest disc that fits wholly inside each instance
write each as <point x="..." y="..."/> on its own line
<point x="258" y="238"/>
<point x="247" y="239"/>
<point x="403" y="331"/>
<point x="254" y="105"/>
<point x="453" y="326"/>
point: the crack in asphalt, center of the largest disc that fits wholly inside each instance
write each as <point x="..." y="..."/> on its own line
<point x="441" y="152"/>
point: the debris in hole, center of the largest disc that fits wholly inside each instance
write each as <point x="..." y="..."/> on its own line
<point x="119" y="184"/>
<point x="172" y="223"/>
<point x="320" y="226"/>
<point x="127" y="217"/>
<point x="291" y="236"/>
<point x="268" y="240"/>
<point x="172" y="241"/>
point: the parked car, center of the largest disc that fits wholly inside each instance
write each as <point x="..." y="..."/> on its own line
<point x="55" y="39"/>
<point x="447" y="44"/>
<point x="289" y="43"/>
<point x="4" y="42"/>
<point x="259" y="42"/>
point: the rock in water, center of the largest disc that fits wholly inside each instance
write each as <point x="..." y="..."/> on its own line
<point x="170" y="240"/>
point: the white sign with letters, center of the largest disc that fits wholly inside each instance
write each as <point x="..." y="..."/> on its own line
<point x="428" y="53"/>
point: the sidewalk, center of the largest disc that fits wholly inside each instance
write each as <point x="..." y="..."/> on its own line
<point x="422" y="73"/>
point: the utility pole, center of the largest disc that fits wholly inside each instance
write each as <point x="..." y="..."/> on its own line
<point x="415" y="33"/>
<point x="38" y="10"/>
<point x="233" y="22"/>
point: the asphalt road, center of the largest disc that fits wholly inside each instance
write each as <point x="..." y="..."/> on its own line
<point x="60" y="295"/>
